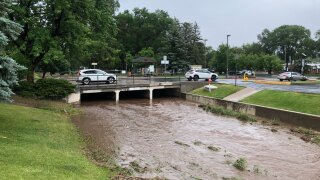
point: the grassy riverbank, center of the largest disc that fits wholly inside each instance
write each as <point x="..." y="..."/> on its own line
<point x="221" y="92"/>
<point x="300" y="102"/>
<point x="42" y="144"/>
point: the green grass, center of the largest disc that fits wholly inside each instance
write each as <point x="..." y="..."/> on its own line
<point x="308" y="134"/>
<point x="41" y="144"/>
<point x="51" y="105"/>
<point x="219" y="110"/>
<point x="221" y="92"/>
<point x="299" y="102"/>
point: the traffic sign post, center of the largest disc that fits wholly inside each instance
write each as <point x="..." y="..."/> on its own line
<point x="165" y="62"/>
<point x="302" y="66"/>
<point x="94" y="65"/>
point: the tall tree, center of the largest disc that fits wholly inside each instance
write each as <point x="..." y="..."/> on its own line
<point x="73" y="28"/>
<point x="139" y="29"/>
<point x="143" y="29"/>
<point x="8" y="67"/>
<point x="221" y="59"/>
<point x="186" y="43"/>
<point x="254" y="48"/>
<point x="317" y="45"/>
<point x="287" y="41"/>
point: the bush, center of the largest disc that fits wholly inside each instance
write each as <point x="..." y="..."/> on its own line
<point x="25" y="89"/>
<point x="241" y="164"/>
<point x="53" y="88"/>
<point x="46" y="89"/>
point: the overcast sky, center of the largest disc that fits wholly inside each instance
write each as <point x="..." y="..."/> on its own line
<point x="242" y="19"/>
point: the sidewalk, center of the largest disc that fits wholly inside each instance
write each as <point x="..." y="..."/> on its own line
<point x="238" y="96"/>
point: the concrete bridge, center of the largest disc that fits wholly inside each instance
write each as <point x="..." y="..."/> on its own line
<point x="176" y="88"/>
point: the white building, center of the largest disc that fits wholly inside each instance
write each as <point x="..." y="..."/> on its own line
<point x="314" y="68"/>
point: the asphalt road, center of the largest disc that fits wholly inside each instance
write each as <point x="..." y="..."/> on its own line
<point x="295" y="88"/>
<point x="146" y="80"/>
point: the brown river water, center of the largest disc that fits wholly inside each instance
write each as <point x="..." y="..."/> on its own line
<point x="169" y="138"/>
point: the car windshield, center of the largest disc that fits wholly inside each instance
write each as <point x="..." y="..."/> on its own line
<point x="89" y="72"/>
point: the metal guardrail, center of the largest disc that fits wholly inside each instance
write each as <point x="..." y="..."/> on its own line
<point x="123" y="81"/>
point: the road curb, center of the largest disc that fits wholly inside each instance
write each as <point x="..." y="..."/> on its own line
<point x="272" y="82"/>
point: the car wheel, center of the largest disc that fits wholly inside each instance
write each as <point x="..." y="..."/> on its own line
<point x="290" y="79"/>
<point x="110" y="80"/>
<point x="190" y="78"/>
<point x="213" y="78"/>
<point x="196" y="78"/>
<point x="86" y="81"/>
<point x="281" y="80"/>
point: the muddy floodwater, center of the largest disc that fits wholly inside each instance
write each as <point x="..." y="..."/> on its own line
<point x="169" y="138"/>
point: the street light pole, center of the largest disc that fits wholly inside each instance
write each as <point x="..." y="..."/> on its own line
<point x="303" y="62"/>
<point x="236" y="76"/>
<point x="228" y="55"/>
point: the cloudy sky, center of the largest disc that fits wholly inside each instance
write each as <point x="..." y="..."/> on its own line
<point x="242" y="19"/>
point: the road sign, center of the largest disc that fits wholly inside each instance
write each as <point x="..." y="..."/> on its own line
<point x="164" y="62"/>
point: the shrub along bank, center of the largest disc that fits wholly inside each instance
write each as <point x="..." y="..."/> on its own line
<point x="45" y="89"/>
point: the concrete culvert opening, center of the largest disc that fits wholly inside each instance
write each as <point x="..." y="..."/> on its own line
<point x="98" y="96"/>
<point x="124" y="95"/>
<point x="164" y="93"/>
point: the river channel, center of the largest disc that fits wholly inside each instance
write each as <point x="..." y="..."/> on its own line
<point x="169" y="138"/>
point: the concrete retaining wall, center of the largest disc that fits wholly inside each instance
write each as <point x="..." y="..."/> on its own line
<point x="189" y="86"/>
<point x="73" y="98"/>
<point x="299" y="119"/>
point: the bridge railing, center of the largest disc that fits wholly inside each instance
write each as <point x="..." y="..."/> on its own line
<point x="133" y="80"/>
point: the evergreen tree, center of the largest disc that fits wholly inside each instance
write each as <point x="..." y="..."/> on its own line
<point x="8" y="67"/>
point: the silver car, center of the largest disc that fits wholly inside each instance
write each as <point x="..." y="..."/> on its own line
<point x="291" y="76"/>
<point x="95" y="75"/>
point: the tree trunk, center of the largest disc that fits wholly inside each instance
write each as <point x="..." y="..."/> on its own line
<point x="30" y="75"/>
<point x="44" y="74"/>
<point x="35" y="62"/>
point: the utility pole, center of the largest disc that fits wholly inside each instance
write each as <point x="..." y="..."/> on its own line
<point x="285" y="56"/>
<point x="228" y="55"/>
<point x="205" y="53"/>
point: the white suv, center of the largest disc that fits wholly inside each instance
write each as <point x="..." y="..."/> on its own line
<point x="95" y="75"/>
<point x="200" y="74"/>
